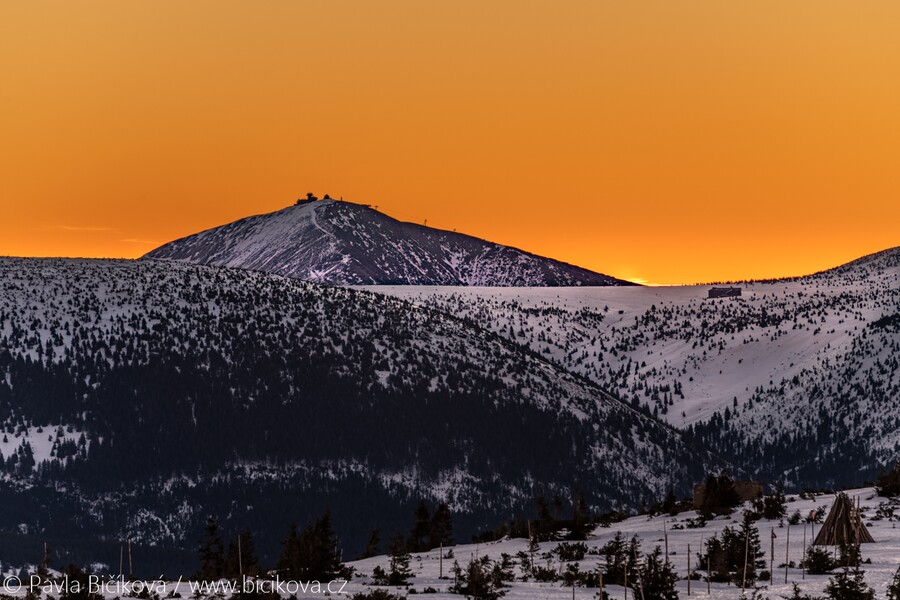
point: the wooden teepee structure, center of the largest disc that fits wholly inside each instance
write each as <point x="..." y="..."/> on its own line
<point x="843" y="525"/>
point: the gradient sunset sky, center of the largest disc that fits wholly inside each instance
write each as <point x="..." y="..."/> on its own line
<point x="661" y="141"/>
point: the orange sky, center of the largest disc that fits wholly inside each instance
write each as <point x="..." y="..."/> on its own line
<point x="654" y="140"/>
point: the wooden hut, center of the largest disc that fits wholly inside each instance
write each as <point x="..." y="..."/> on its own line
<point x="725" y="292"/>
<point x="843" y="525"/>
<point x="746" y="490"/>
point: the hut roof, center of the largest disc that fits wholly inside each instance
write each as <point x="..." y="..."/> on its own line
<point x="843" y="525"/>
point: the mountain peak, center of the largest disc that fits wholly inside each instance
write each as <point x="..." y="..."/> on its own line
<point x="345" y="243"/>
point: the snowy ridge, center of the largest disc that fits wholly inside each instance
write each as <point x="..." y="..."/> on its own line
<point x="805" y="365"/>
<point x="195" y="386"/>
<point x="344" y="243"/>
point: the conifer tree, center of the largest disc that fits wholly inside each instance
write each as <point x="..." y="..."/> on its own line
<point x="373" y="544"/>
<point x="232" y="569"/>
<point x="725" y="553"/>
<point x="419" y="535"/>
<point x="289" y="561"/>
<point x="248" y="556"/>
<point x="615" y="553"/>
<point x="775" y="505"/>
<point x="43" y="568"/>
<point x="670" y="503"/>
<point x="752" y="547"/>
<point x="893" y="590"/>
<point x="849" y="584"/>
<point x="325" y="560"/>
<point x="400" y="572"/>
<point x="818" y="561"/>
<point x="633" y="559"/>
<point x="240" y="557"/>
<point x="311" y="555"/>
<point x="479" y="581"/>
<point x="719" y="495"/>
<point x="211" y="552"/>
<point x="581" y="516"/>
<point x="849" y="555"/>
<point x="441" y="530"/>
<point x="545" y="526"/>
<point x="889" y="483"/>
<point x="658" y="578"/>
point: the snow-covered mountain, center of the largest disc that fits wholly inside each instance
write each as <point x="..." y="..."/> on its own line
<point x="796" y="379"/>
<point x="343" y="243"/>
<point x="137" y="397"/>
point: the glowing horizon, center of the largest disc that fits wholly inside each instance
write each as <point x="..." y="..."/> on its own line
<point x="664" y="142"/>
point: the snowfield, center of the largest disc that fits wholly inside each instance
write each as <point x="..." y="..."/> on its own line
<point x="596" y="331"/>
<point x="880" y="560"/>
<point x="43" y="442"/>
<point x="788" y="364"/>
<point x="884" y="554"/>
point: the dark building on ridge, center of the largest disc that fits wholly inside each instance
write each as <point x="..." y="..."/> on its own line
<point x="746" y="490"/>
<point x="725" y="292"/>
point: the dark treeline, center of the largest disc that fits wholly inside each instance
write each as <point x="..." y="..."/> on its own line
<point x="314" y="551"/>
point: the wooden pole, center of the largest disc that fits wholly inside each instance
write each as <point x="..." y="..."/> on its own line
<point x="626" y="581"/>
<point x="746" y="556"/>
<point x="130" y="564"/>
<point x="531" y="545"/>
<point x="708" y="573"/>
<point x="441" y="576"/>
<point x="772" y="556"/>
<point x="787" y="549"/>
<point x="803" y="556"/>
<point x="689" y="569"/>
<point x="240" y="560"/>
<point x="601" y="586"/>
<point x="666" y="538"/>
<point x="639" y="578"/>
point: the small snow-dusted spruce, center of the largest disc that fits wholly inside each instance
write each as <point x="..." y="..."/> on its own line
<point x="893" y="590"/>
<point x="849" y="584"/>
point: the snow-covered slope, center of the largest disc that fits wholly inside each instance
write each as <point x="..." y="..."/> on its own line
<point x="432" y="572"/>
<point x="796" y="378"/>
<point x="344" y="243"/>
<point x="201" y="389"/>
<point x="685" y="544"/>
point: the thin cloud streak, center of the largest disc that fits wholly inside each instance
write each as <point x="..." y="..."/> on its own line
<point x="140" y="241"/>
<point x="79" y="228"/>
